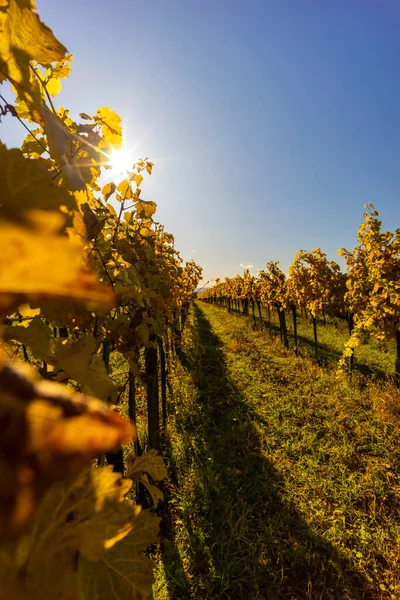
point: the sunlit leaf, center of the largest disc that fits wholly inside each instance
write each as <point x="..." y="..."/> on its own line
<point x="53" y="86"/>
<point x="27" y="185"/>
<point x="138" y="179"/>
<point x="125" y="189"/>
<point x="108" y="190"/>
<point x="28" y="269"/>
<point x="25" y="38"/>
<point x="111" y="128"/>
<point x="60" y="141"/>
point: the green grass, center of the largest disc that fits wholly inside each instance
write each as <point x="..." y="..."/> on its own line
<point x="284" y="482"/>
<point x="370" y="359"/>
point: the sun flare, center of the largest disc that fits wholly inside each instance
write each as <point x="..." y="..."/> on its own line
<point x="121" y="161"/>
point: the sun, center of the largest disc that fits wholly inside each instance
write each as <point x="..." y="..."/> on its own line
<point x="121" y="161"/>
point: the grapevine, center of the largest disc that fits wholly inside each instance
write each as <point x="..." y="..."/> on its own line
<point x="85" y="271"/>
<point x="367" y="296"/>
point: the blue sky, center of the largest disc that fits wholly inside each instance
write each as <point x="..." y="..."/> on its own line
<point x="270" y="122"/>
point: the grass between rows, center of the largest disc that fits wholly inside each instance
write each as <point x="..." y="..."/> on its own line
<point x="284" y="482"/>
<point x="370" y="359"/>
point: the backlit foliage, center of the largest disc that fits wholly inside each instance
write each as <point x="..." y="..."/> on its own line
<point x="92" y="260"/>
<point x="367" y="295"/>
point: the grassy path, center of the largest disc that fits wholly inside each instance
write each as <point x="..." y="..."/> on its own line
<point x="284" y="483"/>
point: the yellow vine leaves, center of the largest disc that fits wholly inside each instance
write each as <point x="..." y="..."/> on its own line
<point x="29" y="273"/>
<point x="87" y="515"/>
<point x="150" y="464"/>
<point x="68" y="258"/>
<point x="76" y="360"/>
<point x="34" y="214"/>
<point x="25" y="38"/>
<point x="124" y="571"/>
<point x="60" y="142"/>
<point x="26" y="185"/>
<point x="48" y="433"/>
<point x="111" y="128"/>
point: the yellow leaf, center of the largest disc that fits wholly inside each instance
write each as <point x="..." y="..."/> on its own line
<point x="138" y="179"/>
<point x="145" y="209"/>
<point x="146" y="232"/>
<point x="124" y="571"/>
<point x="25" y="38"/>
<point x="37" y="336"/>
<point x="112" y="210"/>
<point x="111" y="128"/>
<point x="152" y="464"/>
<point x="26" y="185"/>
<point x="97" y="381"/>
<point x="26" y="311"/>
<point x="125" y="189"/>
<point x="53" y="86"/>
<point x="60" y="142"/>
<point x="58" y="432"/>
<point x="74" y="356"/>
<point x="108" y="190"/>
<point x="40" y="264"/>
<point x="52" y="437"/>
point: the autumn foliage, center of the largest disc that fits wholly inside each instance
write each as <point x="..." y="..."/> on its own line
<point x="82" y="267"/>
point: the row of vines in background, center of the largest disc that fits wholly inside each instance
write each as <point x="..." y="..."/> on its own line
<point x="86" y="273"/>
<point x="367" y="296"/>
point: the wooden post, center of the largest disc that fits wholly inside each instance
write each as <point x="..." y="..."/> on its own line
<point x="116" y="459"/>
<point x="163" y="371"/>
<point x="284" y="329"/>
<point x="253" y="312"/>
<point x="350" y="324"/>
<point x="153" y="410"/>
<point x="259" y="308"/>
<point x="280" y="324"/>
<point x="132" y="409"/>
<point x="314" y="320"/>
<point x="294" y="314"/>
<point x="397" y="365"/>
<point x="132" y="417"/>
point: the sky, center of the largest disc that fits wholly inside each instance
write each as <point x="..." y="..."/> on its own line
<point x="270" y="122"/>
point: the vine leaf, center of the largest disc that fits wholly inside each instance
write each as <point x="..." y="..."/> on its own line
<point x="61" y="146"/>
<point x="111" y="128"/>
<point x="36" y="336"/>
<point x="108" y="190"/>
<point x="98" y="381"/>
<point x="139" y="467"/>
<point x="53" y="86"/>
<point x="124" y="571"/>
<point x="48" y="434"/>
<point x="24" y="37"/>
<point x="27" y="185"/>
<point x="29" y="273"/>
<point x="145" y="209"/>
<point x="86" y="516"/>
<point x="76" y="358"/>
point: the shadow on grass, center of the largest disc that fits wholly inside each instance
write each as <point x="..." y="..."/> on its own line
<point x="244" y="542"/>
